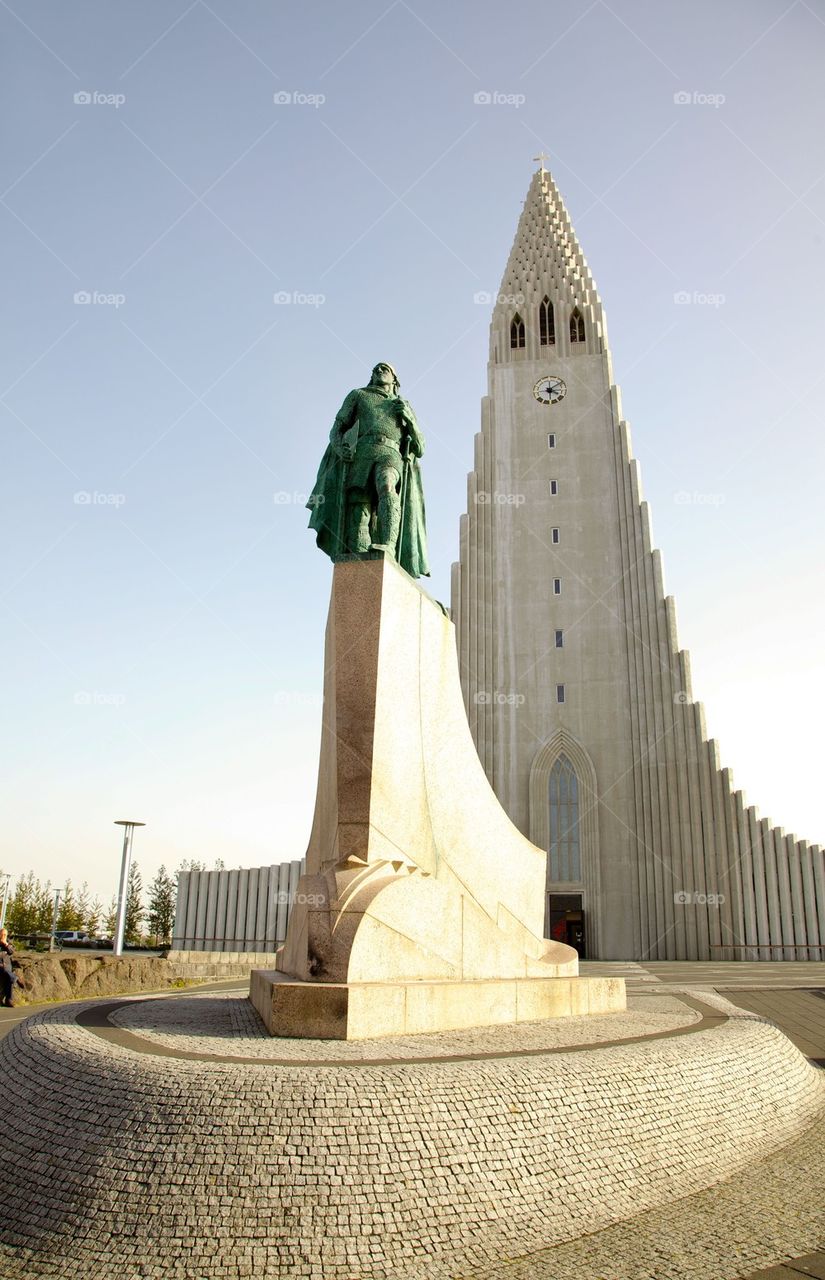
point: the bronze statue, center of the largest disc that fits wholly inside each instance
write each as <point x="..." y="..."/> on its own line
<point x="368" y="495"/>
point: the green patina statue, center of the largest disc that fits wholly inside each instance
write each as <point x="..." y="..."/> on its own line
<point x="368" y="496"/>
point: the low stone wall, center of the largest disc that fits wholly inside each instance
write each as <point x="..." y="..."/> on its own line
<point x="62" y="976"/>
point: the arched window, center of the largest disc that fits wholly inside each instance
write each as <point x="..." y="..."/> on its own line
<point x="517" y="331"/>
<point x="547" y="323"/>
<point x="577" y="326"/>
<point x="565" y="851"/>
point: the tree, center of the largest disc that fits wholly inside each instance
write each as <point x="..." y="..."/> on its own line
<point x="110" y="919"/>
<point x="69" y="915"/>
<point x="190" y="864"/>
<point x="91" y="921"/>
<point x="134" y="905"/>
<point x="30" y="907"/>
<point x="161" y="914"/>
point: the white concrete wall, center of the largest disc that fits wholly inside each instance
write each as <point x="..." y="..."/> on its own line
<point x="235" y="910"/>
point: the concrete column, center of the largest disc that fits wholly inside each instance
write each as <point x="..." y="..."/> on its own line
<point x="265" y="893"/>
<point x="635" y="614"/>
<point x="783" y="877"/>
<point x="250" y="922"/>
<point x="283" y="901"/>
<point x="800" y="931"/>
<point x="771" y="885"/>
<point x="296" y="870"/>
<point x="220" y="912"/>
<point x="179" y="931"/>
<point x="211" y="910"/>
<point x="240" y="911"/>
<point x="231" y="910"/>
<point x="746" y="863"/>
<point x="809" y="897"/>
<point x="819" y="881"/>
<point x="760" y="885"/>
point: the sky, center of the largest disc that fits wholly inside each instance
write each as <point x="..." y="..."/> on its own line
<point x="217" y="217"/>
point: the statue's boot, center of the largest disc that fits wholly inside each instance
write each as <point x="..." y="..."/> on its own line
<point x="358" y="528"/>
<point x="388" y="522"/>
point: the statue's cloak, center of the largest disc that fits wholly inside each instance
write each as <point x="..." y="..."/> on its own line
<point x="328" y="503"/>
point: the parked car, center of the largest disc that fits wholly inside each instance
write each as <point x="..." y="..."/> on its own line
<point x="71" y="935"/>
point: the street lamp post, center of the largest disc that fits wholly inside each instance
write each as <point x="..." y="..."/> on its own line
<point x="6" y="888"/>
<point x="55" y="910"/>
<point x="128" y="832"/>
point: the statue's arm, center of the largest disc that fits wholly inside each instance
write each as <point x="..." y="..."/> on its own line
<point x="344" y="419"/>
<point x="411" y="429"/>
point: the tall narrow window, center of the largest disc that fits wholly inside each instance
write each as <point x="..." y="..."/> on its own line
<point x="554" y="535"/>
<point x="576" y="326"/>
<point x="551" y="440"/>
<point x="559" y="693"/>
<point x="554" y="488"/>
<point x="547" y="323"/>
<point x="559" y="639"/>
<point x="516" y="331"/>
<point x="565" y="851"/>
<point x="557" y="586"/>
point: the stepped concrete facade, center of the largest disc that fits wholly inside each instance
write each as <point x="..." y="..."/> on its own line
<point x="578" y="695"/>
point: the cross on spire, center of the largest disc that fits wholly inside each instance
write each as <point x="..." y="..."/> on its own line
<point x="541" y="157"/>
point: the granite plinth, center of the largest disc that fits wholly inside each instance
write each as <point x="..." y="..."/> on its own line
<point x="422" y="906"/>
<point x="366" y="1010"/>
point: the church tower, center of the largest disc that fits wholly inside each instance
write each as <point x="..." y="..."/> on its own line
<point x="577" y="693"/>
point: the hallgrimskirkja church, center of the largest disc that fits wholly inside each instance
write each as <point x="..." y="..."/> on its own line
<point x="578" y="695"/>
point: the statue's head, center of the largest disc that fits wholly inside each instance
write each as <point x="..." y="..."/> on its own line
<point x="383" y="375"/>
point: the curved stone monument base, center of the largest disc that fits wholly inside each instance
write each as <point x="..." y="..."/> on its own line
<point x="186" y="1143"/>
<point x="422" y="906"/>
<point x="365" y="1010"/>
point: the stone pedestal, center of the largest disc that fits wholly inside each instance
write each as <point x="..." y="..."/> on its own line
<point x="416" y="879"/>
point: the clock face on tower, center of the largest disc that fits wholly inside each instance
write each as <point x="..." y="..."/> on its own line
<point x="549" y="390"/>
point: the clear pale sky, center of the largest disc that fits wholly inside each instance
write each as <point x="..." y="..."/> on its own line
<point x="163" y="640"/>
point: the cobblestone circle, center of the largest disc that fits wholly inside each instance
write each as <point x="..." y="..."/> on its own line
<point x="155" y="1168"/>
<point x="229" y="1025"/>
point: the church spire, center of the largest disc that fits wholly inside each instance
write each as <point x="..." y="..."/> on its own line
<point x="546" y="265"/>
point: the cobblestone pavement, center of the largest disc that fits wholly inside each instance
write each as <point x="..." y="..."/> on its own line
<point x="771" y="1212"/>
<point x="154" y="1168"/>
<point x="230" y="1025"/>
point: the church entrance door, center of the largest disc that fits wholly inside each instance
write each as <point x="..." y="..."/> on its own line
<point x="565" y="918"/>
